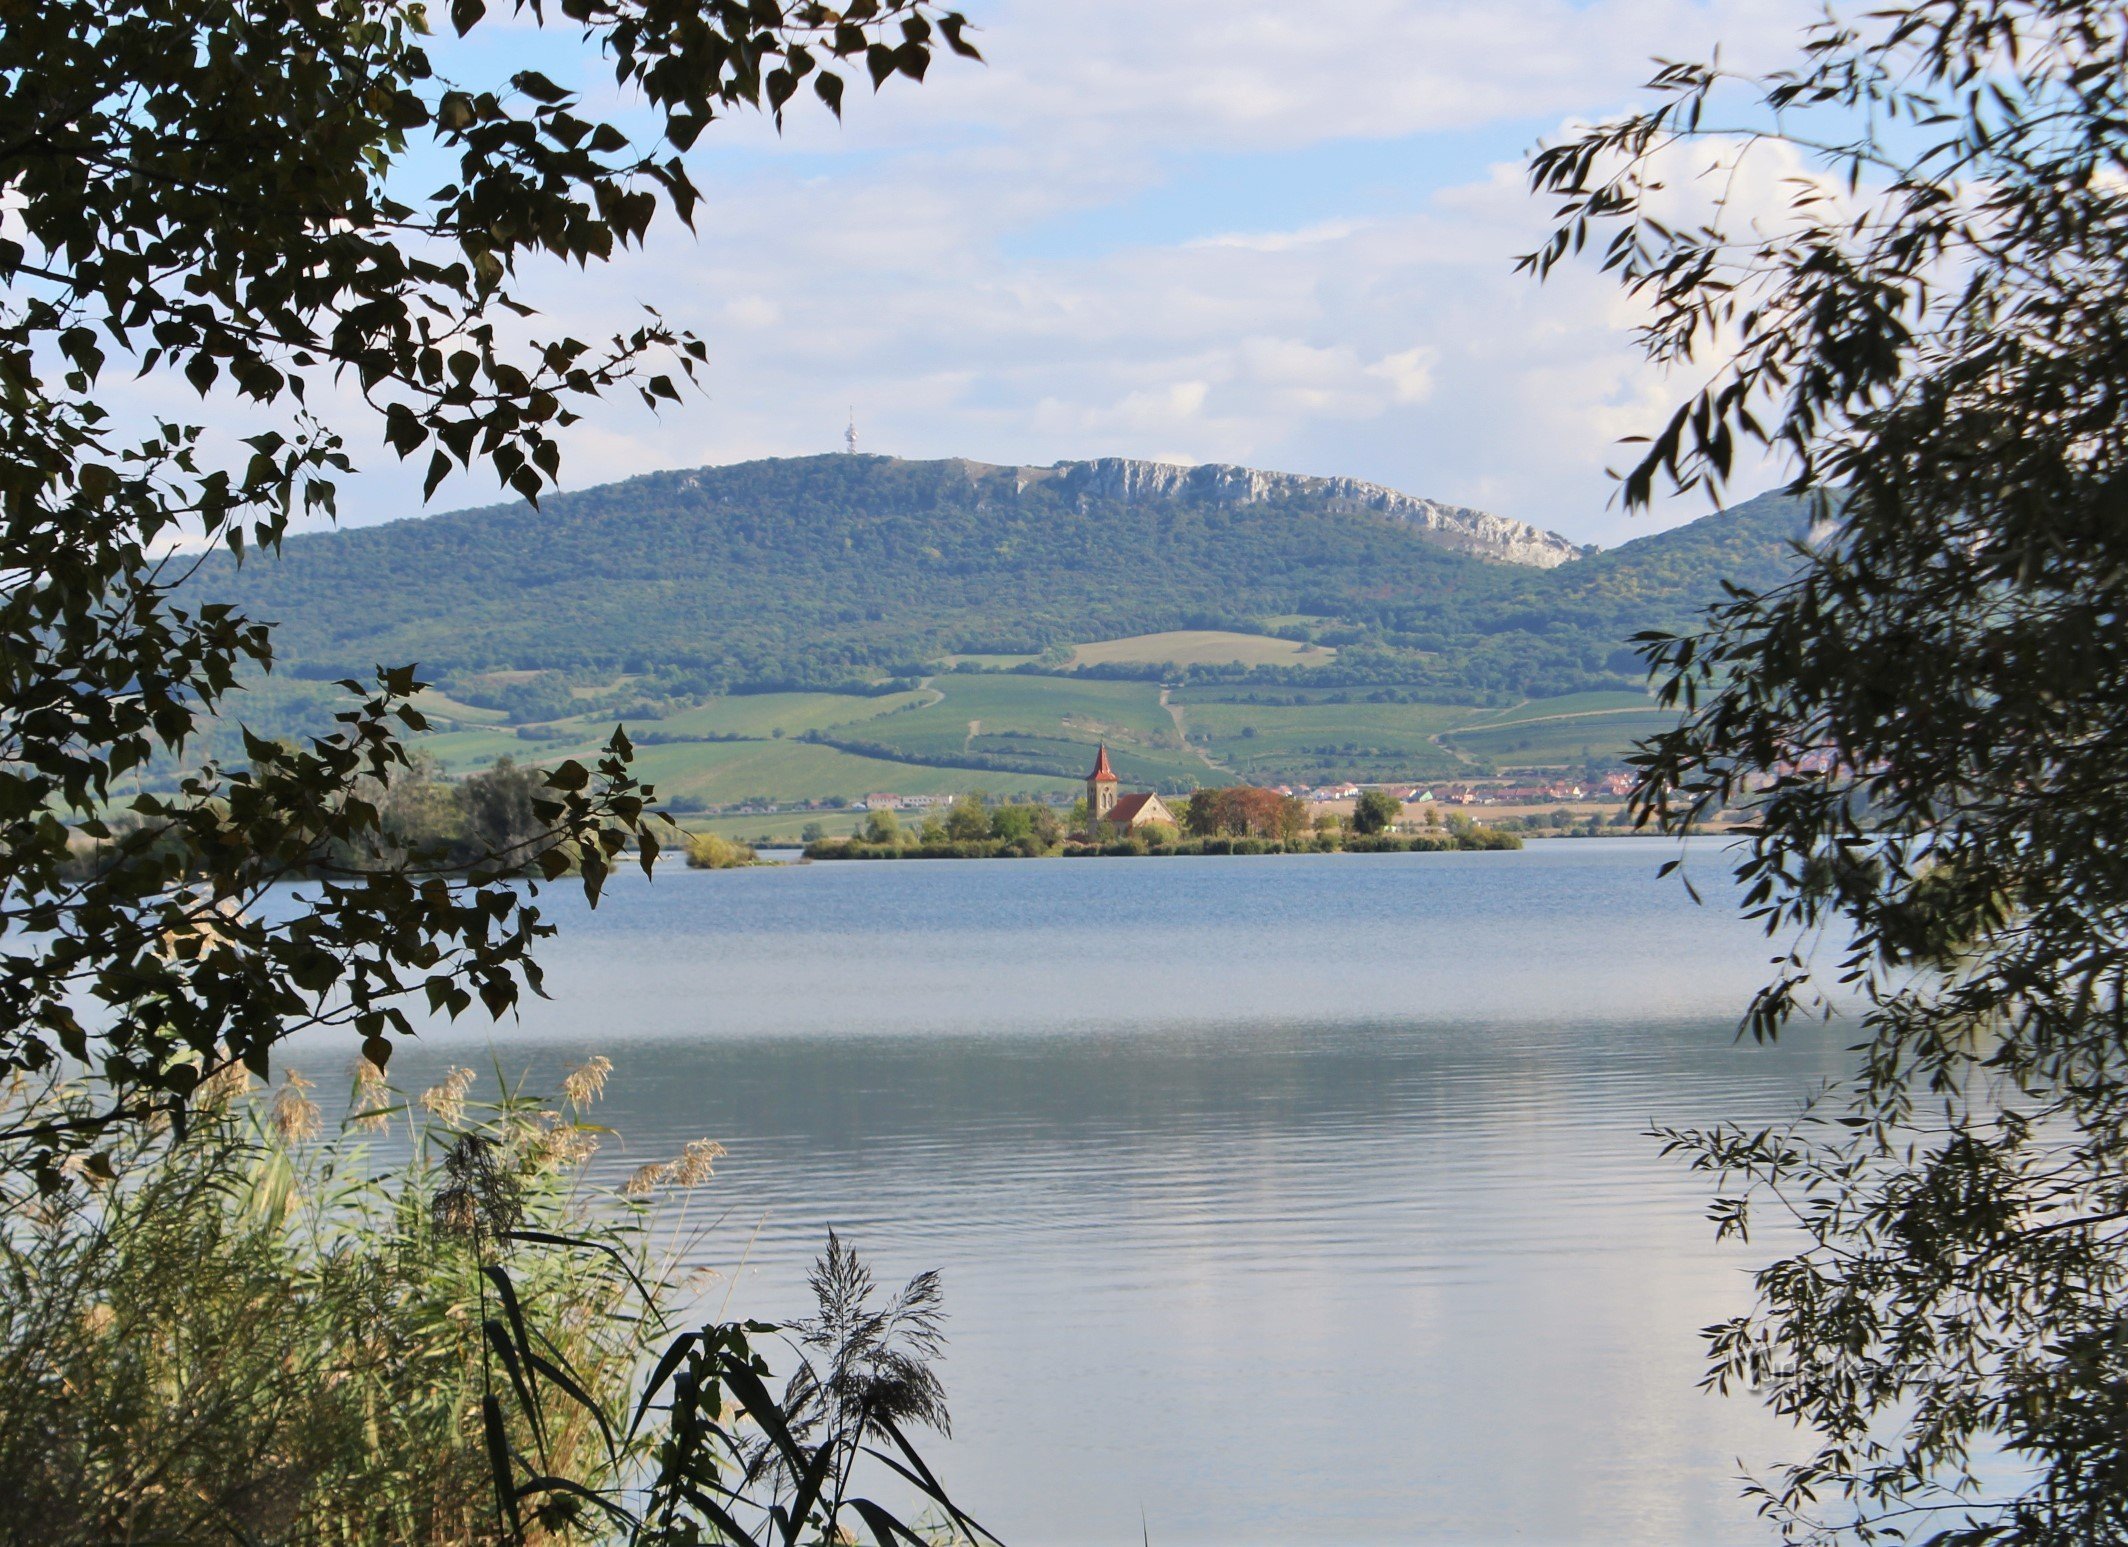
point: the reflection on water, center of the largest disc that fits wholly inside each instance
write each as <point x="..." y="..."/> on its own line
<point x="1286" y="1199"/>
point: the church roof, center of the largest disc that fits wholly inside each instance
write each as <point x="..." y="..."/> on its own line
<point x="1126" y="810"/>
<point x="1101" y="768"/>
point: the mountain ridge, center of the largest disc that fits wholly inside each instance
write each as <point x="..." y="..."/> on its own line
<point x="837" y="568"/>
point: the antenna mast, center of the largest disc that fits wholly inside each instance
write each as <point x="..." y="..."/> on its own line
<point x="849" y="436"/>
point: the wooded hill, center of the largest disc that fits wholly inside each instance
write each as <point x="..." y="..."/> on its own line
<point x="816" y="571"/>
<point x="822" y="627"/>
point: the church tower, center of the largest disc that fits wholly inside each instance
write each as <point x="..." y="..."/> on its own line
<point x="1100" y="790"/>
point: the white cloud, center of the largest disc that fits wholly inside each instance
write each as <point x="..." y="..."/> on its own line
<point x="1025" y="260"/>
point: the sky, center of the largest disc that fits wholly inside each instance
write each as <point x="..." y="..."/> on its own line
<point x="1256" y="231"/>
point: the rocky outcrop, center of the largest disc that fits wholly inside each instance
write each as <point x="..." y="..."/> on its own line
<point x="1455" y="527"/>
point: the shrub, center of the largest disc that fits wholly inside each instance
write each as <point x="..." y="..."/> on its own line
<point x="710" y="851"/>
<point x="968" y="821"/>
<point x="1376" y="811"/>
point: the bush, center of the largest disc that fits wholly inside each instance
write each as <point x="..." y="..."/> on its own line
<point x="1025" y="822"/>
<point x="967" y="822"/>
<point x="1376" y="811"/>
<point x="710" y="851"/>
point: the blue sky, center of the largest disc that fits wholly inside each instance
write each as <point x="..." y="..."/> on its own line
<point x="1200" y="230"/>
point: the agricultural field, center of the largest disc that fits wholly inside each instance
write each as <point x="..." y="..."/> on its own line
<point x="725" y="772"/>
<point x="765" y="715"/>
<point x="998" y="662"/>
<point x="1052" y="723"/>
<point x="1357" y="740"/>
<point x="1557" y="708"/>
<point x="1562" y="740"/>
<point x="776" y="827"/>
<point x="1012" y="735"/>
<point x="1202" y="647"/>
<point x="460" y="752"/>
<point x="442" y="709"/>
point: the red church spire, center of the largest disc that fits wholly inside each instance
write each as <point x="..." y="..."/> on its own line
<point x="1101" y="769"/>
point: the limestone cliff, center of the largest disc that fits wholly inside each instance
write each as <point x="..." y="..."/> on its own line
<point x="1455" y="527"/>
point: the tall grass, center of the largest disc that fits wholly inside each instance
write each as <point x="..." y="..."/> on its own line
<point x="420" y="1328"/>
<point x="254" y="1332"/>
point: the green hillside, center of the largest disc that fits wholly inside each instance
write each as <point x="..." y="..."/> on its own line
<point x="825" y="627"/>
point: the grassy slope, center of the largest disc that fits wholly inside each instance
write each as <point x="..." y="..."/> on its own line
<point x="1046" y="728"/>
<point x="1203" y="647"/>
<point x="1561" y="740"/>
<point x="763" y="714"/>
<point x="1566" y="704"/>
<point x="1374" y="740"/>
<point x="1047" y="723"/>
<point x="726" y="771"/>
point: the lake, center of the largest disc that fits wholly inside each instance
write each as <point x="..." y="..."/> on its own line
<point x="1283" y="1199"/>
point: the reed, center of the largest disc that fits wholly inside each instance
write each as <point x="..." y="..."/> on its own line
<point x="418" y="1325"/>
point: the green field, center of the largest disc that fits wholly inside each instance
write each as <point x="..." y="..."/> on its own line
<point x="999" y="662"/>
<point x="1045" y="726"/>
<point x="462" y="752"/>
<point x="763" y="715"/>
<point x="777" y="827"/>
<point x="1050" y="723"/>
<point x="1556" y="708"/>
<point x="723" y="772"/>
<point x="1562" y="740"/>
<point x="1323" y="740"/>
<point x="1202" y="647"/>
<point x="1038" y="734"/>
<point x="440" y="707"/>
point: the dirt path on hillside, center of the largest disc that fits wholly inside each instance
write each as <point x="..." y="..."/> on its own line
<point x="1182" y="730"/>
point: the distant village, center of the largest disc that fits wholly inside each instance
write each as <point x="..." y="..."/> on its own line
<point x="1335" y="798"/>
<point x="1488" y="792"/>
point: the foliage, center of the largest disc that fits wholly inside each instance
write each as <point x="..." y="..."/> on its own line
<point x="1033" y="825"/>
<point x="968" y="820"/>
<point x="1245" y="810"/>
<point x="214" y="192"/>
<point x="1376" y="811"/>
<point x="1159" y="835"/>
<point x="709" y="851"/>
<point x="1463" y="833"/>
<point x="1927" y="719"/>
<point x="731" y="1461"/>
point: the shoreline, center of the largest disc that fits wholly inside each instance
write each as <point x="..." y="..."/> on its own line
<point x="1477" y="839"/>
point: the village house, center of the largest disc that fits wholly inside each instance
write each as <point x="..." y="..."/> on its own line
<point x="1111" y="814"/>
<point x="887" y="802"/>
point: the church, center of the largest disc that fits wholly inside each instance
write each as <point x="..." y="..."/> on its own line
<point x="1111" y="815"/>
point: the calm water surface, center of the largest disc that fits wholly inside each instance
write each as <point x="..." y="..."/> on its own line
<point x="1278" y="1200"/>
